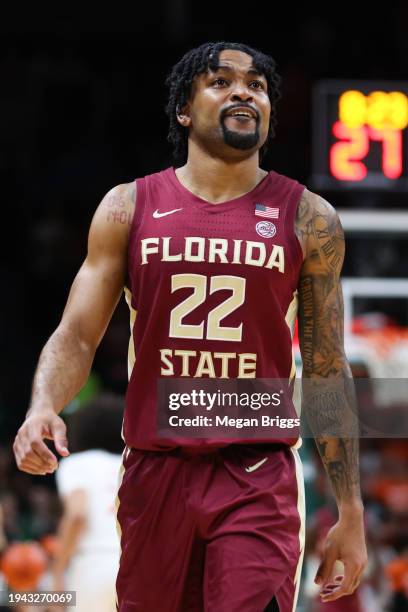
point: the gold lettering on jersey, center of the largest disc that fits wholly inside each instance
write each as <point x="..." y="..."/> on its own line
<point x="224" y="362"/>
<point x="149" y="250"/>
<point x="185" y="357"/>
<point x="205" y="365"/>
<point x="237" y="252"/>
<point x="194" y="242"/>
<point x="215" y="250"/>
<point x="247" y="365"/>
<point x="166" y="252"/>
<point x="180" y="363"/>
<point x="218" y="248"/>
<point x="277" y="258"/>
<point x="250" y="258"/>
<point x="169" y="370"/>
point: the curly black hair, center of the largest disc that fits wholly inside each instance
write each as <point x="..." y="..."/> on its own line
<point x="199" y="60"/>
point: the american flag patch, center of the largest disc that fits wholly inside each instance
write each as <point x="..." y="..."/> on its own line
<point x="266" y="211"/>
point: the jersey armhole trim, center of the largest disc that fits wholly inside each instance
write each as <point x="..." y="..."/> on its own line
<point x="140" y="206"/>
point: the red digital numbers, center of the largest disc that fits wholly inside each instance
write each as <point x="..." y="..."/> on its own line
<point x="347" y="155"/>
<point x="391" y="150"/>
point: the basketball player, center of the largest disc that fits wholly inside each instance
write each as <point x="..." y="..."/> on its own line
<point x="87" y="482"/>
<point x="207" y="528"/>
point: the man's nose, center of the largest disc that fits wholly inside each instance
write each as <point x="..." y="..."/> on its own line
<point x="241" y="94"/>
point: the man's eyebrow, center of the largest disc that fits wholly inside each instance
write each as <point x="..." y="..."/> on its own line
<point x="227" y="68"/>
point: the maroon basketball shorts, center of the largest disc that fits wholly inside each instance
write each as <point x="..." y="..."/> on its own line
<point x="221" y="532"/>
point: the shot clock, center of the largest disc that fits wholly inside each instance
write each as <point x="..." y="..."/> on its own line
<point x="360" y="135"/>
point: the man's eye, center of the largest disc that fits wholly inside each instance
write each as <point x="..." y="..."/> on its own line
<point x="219" y="82"/>
<point x="257" y="85"/>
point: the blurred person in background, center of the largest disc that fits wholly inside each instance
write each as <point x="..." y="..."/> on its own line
<point x="87" y="556"/>
<point x="397" y="574"/>
<point x="222" y="112"/>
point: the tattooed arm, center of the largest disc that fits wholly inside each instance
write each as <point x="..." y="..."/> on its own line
<point x="328" y="393"/>
<point x="66" y="359"/>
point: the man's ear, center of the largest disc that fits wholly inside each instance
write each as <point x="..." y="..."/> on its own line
<point x="183" y="115"/>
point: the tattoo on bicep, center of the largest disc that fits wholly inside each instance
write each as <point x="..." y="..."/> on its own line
<point x="115" y="216"/>
<point x="304" y="220"/>
<point x="330" y="242"/>
<point x="317" y="223"/>
<point x="116" y="210"/>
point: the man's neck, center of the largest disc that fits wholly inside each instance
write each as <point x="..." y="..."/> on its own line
<point x="217" y="181"/>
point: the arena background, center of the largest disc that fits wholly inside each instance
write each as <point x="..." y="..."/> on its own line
<point x="82" y="109"/>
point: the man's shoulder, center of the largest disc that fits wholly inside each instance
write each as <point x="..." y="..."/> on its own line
<point x="312" y="205"/>
<point x="122" y="195"/>
<point x="316" y="221"/>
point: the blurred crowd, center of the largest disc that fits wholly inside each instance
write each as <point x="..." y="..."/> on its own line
<point x="384" y="479"/>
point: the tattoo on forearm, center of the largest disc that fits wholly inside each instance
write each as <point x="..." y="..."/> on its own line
<point x="330" y="407"/>
<point x="340" y="457"/>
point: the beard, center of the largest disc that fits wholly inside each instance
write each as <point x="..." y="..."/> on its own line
<point x="238" y="140"/>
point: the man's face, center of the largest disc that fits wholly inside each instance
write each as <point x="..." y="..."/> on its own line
<point x="229" y="109"/>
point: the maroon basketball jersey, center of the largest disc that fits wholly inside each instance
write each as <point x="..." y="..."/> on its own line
<point x="212" y="291"/>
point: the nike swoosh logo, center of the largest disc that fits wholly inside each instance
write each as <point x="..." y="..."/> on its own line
<point x="157" y="215"/>
<point x="252" y="468"/>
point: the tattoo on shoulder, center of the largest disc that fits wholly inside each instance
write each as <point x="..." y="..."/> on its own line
<point x="117" y="207"/>
<point x="319" y="230"/>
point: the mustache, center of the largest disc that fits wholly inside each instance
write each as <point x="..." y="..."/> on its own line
<point x="239" y="105"/>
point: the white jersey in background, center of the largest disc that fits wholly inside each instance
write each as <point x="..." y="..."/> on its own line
<point x="93" y="568"/>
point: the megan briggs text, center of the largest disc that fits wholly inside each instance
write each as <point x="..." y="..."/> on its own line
<point x="225" y="421"/>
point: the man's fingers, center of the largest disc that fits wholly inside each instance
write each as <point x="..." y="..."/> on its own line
<point x="357" y="581"/>
<point x="28" y="454"/>
<point x="31" y="452"/>
<point x="26" y="458"/>
<point x="40" y="449"/>
<point x="347" y="586"/>
<point x="325" y="568"/>
<point x="26" y="465"/>
<point x="29" y="446"/>
<point x="32" y="468"/>
<point x="59" y="434"/>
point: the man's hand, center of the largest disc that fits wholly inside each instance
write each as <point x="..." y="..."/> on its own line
<point x="31" y="453"/>
<point x="345" y="542"/>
